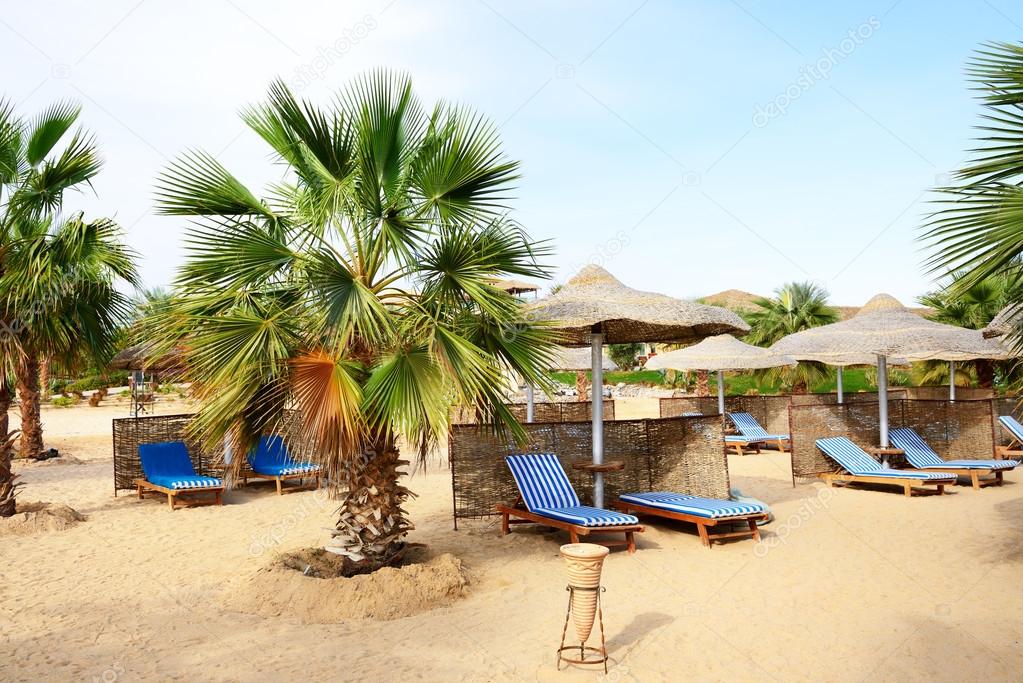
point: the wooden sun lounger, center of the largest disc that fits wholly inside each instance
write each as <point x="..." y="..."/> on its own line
<point x="974" y="475"/>
<point x="702" y="523"/>
<point x="907" y="484"/>
<point x="281" y="478"/>
<point x="172" y="494"/>
<point x="524" y="516"/>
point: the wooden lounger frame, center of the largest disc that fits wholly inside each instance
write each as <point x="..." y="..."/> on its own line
<point x="280" y="478"/>
<point x="907" y="484"/>
<point x="702" y="523"/>
<point x="144" y="486"/>
<point x="741" y="446"/>
<point x="524" y="516"/>
<point x="974" y="475"/>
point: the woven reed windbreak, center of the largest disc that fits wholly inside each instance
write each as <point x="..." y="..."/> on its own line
<point x="770" y="411"/>
<point x="558" y="411"/>
<point x="131" y="432"/>
<point x="676" y="454"/>
<point x="941" y="393"/>
<point x="954" y="429"/>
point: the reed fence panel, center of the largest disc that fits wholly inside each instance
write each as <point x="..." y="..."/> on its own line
<point x="547" y="411"/>
<point x="674" y="454"/>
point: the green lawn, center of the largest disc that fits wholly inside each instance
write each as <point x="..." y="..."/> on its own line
<point x="853" y="380"/>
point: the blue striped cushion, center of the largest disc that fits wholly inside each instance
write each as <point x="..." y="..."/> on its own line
<point x="587" y="516"/>
<point x="542" y="481"/>
<point x="711" y="508"/>
<point x="1012" y="425"/>
<point x="692" y="414"/>
<point x="300" y="468"/>
<point x="920" y="455"/>
<point x="271" y="457"/>
<point x="187" y="483"/>
<point x="750" y="428"/>
<point x="855" y="460"/>
<point x="735" y="438"/>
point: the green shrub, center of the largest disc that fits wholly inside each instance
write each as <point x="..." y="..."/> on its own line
<point x="65" y="401"/>
<point x="113" y="379"/>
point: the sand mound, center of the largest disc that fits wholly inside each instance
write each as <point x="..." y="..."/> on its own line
<point x="31" y="518"/>
<point x="389" y="593"/>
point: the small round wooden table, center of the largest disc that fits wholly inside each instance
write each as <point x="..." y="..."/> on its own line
<point x="885" y="452"/>
<point x="611" y="466"/>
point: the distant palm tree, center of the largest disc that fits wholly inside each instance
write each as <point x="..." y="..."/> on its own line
<point x="796" y="306"/>
<point x="357" y="293"/>
<point x="977" y="230"/>
<point x="44" y="306"/>
<point x="972" y="306"/>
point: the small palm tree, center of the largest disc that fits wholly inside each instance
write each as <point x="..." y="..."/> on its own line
<point x="356" y="294"/>
<point x="977" y="230"/>
<point x="38" y="165"/>
<point x="796" y="306"/>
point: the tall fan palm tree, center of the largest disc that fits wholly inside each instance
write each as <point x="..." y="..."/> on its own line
<point x="796" y="306"/>
<point x="357" y="292"/>
<point x="38" y="164"/>
<point x="977" y="229"/>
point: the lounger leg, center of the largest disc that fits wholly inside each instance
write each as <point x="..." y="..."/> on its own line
<point x="704" y="538"/>
<point x="755" y="529"/>
<point x="573" y="537"/>
<point x="279" y="492"/>
<point x="975" y="479"/>
<point x="170" y="501"/>
<point x="220" y="497"/>
<point x="941" y="489"/>
<point x="630" y="542"/>
<point x="909" y="489"/>
<point x="998" y="478"/>
<point x="504" y="524"/>
<point x="141" y="495"/>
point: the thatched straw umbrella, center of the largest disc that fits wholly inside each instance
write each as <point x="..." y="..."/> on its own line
<point x="1005" y="322"/>
<point x="143" y="357"/>
<point x="594" y="307"/>
<point x="720" y="353"/>
<point x="885" y="328"/>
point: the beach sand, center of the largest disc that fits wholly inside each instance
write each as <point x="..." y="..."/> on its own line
<point x="848" y="585"/>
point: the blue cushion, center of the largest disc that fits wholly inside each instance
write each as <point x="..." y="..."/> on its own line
<point x="922" y="456"/>
<point x="584" y="515"/>
<point x="855" y="460"/>
<point x="271" y="457"/>
<point x="167" y="464"/>
<point x="1012" y="425"/>
<point x="542" y="481"/>
<point x="750" y="428"/>
<point x="711" y="508"/>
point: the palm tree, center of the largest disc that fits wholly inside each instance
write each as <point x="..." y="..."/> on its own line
<point x="35" y="172"/>
<point x="972" y="306"/>
<point x="796" y="306"/>
<point x="64" y="277"/>
<point x="356" y="293"/>
<point x="977" y="229"/>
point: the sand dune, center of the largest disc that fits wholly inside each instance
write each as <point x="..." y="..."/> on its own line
<point x="847" y="585"/>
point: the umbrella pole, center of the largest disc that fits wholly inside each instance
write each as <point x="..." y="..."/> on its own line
<point x="529" y="402"/>
<point x="951" y="380"/>
<point x="597" y="403"/>
<point x="721" y="392"/>
<point x="840" y="394"/>
<point x="882" y="400"/>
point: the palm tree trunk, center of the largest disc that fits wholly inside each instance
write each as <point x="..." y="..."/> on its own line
<point x="985" y="373"/>
<point x="44" y="379"/>
<point x="371" y="526"/>
<point x="27" y="373"/>
<point x="702" y="383"/>
<point x="581" y="385"/>
<point x="7" y="487"/>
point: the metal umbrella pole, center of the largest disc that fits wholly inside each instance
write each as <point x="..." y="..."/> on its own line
<point x="882" y="399"/>
<point x="597" y="420"/>
<point x="529" y="402"/>
<point x="841" y="396"/>
<point x="951" y="380"/>
<point x="721" y="392"/>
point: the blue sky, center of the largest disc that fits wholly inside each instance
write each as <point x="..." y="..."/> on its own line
<point x="688" y="147"/>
